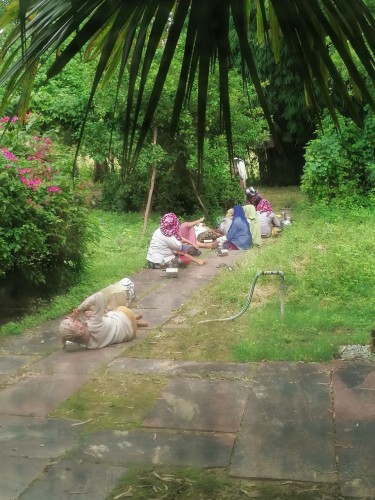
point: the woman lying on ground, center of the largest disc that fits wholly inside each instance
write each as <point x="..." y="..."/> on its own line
<point x="239" y="235"/>
<point x="167" y="245"/>
<point x="200" y="235"/>
<point x="99" y="329"/>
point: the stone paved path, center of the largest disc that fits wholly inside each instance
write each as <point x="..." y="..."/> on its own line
<point x="306" y="422"/>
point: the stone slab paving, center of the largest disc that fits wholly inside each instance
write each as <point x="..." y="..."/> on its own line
<point x="36" y="437"/>
<point x="180" y="368"/>
<point x="16" y="475"/>
<point x="9" y="365"/>
<point x="43" y="340"/>
<point x="158" y="447"/>
<point x="78" y="360"/>
<point x="287" y="431"/>
<point x="354" y="390"/>
<point x="38" y="395"/>
<point x="155" y="317"/>
<point x="202" y="405"/>
<point x="67" y="480"/>
<point x="27" y="445"/>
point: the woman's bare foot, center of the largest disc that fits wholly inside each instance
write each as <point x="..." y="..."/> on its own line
<point x="201" y="262"/>
<point x="200" y="221"/>
<point x="142" y="322"/>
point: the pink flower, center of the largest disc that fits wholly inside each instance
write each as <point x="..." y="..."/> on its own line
<point x="14" y="119"/>
<point x="8" y="155"/>
<point x="89" y="184"/>
<point x="54" y="189"/>
<point x="5" y="119"/>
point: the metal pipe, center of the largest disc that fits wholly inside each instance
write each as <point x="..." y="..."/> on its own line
<point x="250" y="296"/>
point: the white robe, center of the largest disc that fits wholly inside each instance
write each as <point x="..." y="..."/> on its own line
<point x="112" y="328"/>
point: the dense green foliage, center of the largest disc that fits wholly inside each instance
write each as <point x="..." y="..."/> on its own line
<point x="43" y="222"/>
<point x="341" y="164"/>
<point x="175" y="158"/>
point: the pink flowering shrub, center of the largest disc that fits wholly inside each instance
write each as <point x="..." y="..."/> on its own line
<point x="43" y="221"/>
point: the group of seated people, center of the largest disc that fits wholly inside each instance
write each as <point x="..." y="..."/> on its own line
<point x="174" y="244"/>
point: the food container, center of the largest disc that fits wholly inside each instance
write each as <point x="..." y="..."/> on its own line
<point x="222" y="252"/>
<point x="170" y="272"/>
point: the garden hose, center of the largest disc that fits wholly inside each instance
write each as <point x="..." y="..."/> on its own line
<point x="250" y="296"/>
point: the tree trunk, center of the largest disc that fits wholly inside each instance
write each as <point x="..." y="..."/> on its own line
<point x="197" y="195"/>
<point x="152" y="183"/>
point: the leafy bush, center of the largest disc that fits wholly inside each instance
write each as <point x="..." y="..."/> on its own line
<point x="43" y="222"/>
<point x="340" y="164"/>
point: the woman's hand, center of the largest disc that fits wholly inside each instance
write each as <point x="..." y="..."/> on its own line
<point x="75" y="313"/>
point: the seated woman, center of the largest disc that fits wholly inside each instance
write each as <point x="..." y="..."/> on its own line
<point x="166" y="246"/>
<point x="269" y="223"/>
<point x="197" y="233"/>
<point x="226" y="222"/>
<point x="239" y="235"/>
<point x="99" y="329"/>
<point x="254" y="222"/>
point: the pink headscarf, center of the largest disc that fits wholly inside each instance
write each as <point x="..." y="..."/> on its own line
<point x="264" y="206"/>
<point x="170" y="225"/>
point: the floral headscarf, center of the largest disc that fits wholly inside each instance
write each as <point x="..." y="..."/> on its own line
<point x="74" y="330"/>
<point x="264" y="206"/>
<point x="170" y="225"/>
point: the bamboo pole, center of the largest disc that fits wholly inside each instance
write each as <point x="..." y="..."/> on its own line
<point x="152" y="183"/>
<point x="197" y="195"/>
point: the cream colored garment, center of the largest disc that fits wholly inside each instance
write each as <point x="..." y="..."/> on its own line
<point x="105" y="329"/>
<point x="114" y="296"/>
<point x="254" y="222"/>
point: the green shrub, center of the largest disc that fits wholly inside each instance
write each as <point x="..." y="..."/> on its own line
<point x="340" y="164"/>
<point x="43" y="221"/>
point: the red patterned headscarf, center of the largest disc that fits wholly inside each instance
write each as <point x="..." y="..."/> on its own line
<point x="264" y="206"/>
<point x="170" y="225"/>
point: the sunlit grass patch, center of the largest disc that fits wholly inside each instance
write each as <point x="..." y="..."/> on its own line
<point x="113" y="401"/>
<point x="191" y="483"/>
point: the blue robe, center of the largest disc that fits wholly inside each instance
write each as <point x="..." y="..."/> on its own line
<point x="239" y="232"/>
